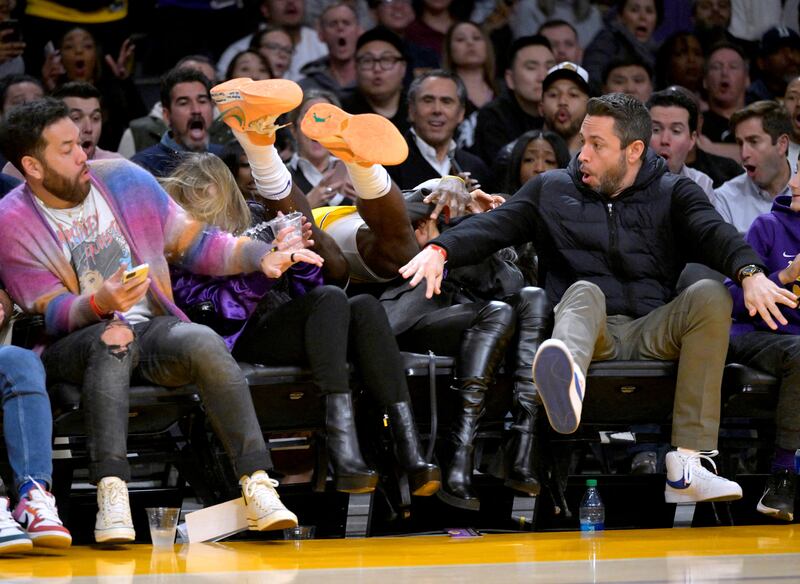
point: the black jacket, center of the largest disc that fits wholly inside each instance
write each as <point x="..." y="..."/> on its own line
<point x="499" y="122"/>
<point x="633" y="246"/>
<point x="415" y="169"/>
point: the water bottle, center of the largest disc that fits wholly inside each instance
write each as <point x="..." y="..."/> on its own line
<point x="592" y="510"/>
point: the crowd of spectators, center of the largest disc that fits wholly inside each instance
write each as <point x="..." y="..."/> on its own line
<point x="703" y="96"/>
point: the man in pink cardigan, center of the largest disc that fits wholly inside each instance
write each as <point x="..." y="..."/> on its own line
<point x="69" y="232"/>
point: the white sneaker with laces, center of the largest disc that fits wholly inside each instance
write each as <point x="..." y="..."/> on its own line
<point x="560" y="383"/>
<point x="114" y="523"/>
<point x="688" y="481"/>
<point x="263" y="505"/>
<point x="13" y="538"/>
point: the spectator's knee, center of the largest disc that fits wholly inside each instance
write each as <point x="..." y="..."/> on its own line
<point x="495" y="315"/>
<point x="330" y="298"/>
<point x="117" y="337"/>
<point x="365" y="306"/>
<point x="533" y="302"/>
<point x="711" y="297"/>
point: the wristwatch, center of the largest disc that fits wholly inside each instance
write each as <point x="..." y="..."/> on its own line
<point x="749" y="270"/>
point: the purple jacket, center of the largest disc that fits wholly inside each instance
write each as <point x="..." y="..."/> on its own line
<point x="235" y="298"/>
<point x="775" y="236"/>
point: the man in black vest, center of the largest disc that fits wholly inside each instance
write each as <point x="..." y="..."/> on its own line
<point x="614" y="231"/>
<point x="436" y="104"/>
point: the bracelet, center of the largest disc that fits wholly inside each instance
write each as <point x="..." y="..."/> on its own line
<point x="96" y="309"/>
<point x="440" y="250"/>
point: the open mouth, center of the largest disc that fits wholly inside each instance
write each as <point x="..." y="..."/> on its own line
<point x="87" y="145"/>
<point x="197" y="129"/>
<point x="664" y="155"/>
<point x="341" y="42"/>
<point x="750" y="169"/>
<point x="563" y="116"/>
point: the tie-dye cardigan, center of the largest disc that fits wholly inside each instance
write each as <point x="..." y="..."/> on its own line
<point x="41" y="280"/>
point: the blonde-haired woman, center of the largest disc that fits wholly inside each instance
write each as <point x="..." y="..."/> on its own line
<point x="303" y="323"/>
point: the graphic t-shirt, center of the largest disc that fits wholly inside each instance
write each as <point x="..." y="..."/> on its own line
<point x="92" y="241"/>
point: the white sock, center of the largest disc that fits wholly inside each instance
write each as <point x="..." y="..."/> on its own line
<point x="371" y="182"/>
<point x="270" y="175"/>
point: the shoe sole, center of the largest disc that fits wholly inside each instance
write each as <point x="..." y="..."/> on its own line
<point x="364" y="138"/>
<point x="553" y="371"/>
<point x="15" y="546"/>
<point x="467" y="504"/>
<point x="358" y="485"/>
<point x="118" y="535"/>
<point x="678" y="497"/>
<point x="273" y="521"/>
<point x="54" y="540"/>
<point x="227" y="96"/>
<point x="775" y="513"/>
<point x="530" y="489"/>
<point x="427" y="489"/>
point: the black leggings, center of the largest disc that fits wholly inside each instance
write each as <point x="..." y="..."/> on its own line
<point x="321" y="330"/>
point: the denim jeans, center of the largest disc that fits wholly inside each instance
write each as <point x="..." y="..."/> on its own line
<point x="27" y="420"/>
<point x="778" y="355"/>
<point x="168" y="352"/>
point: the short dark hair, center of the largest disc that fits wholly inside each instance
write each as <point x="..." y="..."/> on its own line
<point x="554" y="23"/>
<point x="461" y="90"/>
<point x="631" y="118"/>
<point x="774" y="118"/>
<point x="81" y="89"/>
<point x="10" y="80"/>
<point x="178" y="75"/>
<point x="523" y="42"/>
<point x="21" y="131"/>
<point x="726" y="45"/>
<point x="205" y="59"/>
<point x="675" y="97"/>
<point x="626" y="61"/>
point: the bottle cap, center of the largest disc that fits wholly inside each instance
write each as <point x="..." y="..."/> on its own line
<point x="591" y="482"/>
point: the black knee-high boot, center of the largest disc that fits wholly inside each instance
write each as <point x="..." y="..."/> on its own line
<point x="424" y="478"/>
<point x="482" y="347"/>
<point x="533" y="322"/>
<point x="350" y="473"/>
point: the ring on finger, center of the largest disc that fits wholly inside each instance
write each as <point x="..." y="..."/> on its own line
<point x="291" y="257"/>
<point x="328" y="190"/>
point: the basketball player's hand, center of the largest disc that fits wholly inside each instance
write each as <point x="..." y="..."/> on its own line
<point x="114" y="295"/>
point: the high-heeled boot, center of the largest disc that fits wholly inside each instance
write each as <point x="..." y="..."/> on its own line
<point x="482" y="347"/>
<point x="424" y="478"/>
<point x="534" y="316"/>
<point x="350" y="473"/>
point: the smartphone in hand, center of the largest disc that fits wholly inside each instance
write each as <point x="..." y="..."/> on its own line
<point x="140" y="270"/>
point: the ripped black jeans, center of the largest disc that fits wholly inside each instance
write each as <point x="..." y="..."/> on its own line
<point x="168" y="352"/>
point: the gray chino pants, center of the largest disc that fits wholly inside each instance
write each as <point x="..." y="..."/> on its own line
<point x="693" y="329"/>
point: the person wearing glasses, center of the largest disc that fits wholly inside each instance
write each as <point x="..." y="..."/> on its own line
<point x="336" y="72"/>
<point x="275" y="45"/>
<point x="380" y="70"/>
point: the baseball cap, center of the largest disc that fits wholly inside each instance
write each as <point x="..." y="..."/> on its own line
<point x="568" y="70"/>
<point x="778" y="37"/>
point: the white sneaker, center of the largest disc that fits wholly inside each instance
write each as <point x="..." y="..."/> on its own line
<point x="688" y="481"/>
<point x="265" y="511"/>
<point x="560" y="385"/>
<point x="13" y="538"/>
<point x="114" y="523"/>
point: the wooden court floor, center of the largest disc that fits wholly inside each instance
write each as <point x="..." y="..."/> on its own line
<point x="700" y="555"/>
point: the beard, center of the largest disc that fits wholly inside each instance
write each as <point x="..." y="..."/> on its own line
<point x="63" y="188"/>
<point x="612" y="180"/>
<point x="568" y="130"/>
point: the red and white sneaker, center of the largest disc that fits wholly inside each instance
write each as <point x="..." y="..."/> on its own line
<point x="37" y="513"/>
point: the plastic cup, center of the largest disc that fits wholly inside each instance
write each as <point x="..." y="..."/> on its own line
<point x="293" y="220"/>
<point x="163" y="521"/>
<point x="299" y="533"/>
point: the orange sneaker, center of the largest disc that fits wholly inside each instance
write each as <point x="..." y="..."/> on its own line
<point x="229" y="102"/>
<point x="253" y="106"/>
<point x="366" y="139"/>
